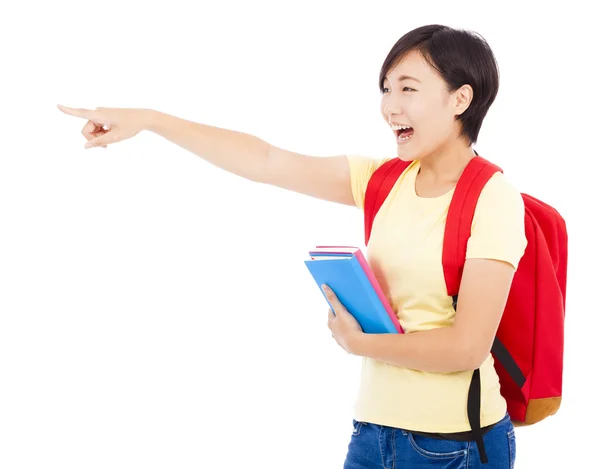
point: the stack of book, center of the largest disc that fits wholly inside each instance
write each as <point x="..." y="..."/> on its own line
<point x="346" y="271"/>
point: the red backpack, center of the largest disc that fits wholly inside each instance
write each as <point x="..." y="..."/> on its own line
<point x="528" y="348"/>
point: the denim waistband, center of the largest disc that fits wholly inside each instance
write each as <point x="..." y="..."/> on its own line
<point x="459" y="436"/>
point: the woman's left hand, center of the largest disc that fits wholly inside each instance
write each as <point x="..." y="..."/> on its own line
<point x="344" y="328"/>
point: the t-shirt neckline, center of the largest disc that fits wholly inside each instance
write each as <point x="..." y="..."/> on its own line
<point x="413" y="183"/>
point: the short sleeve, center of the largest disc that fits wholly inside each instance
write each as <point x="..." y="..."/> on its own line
<point x="498" y="229"/>
<point x="361" y="170"/>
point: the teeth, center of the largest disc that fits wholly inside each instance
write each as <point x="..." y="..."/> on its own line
<point x="400" y="127"/>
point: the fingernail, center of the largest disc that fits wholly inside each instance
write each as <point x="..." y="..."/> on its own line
<point x="87" y="145"/>
<point x="325" y="288"/>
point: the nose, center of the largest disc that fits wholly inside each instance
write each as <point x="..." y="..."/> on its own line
<point x="389" y="115"/>
<point x="390" y="107"/>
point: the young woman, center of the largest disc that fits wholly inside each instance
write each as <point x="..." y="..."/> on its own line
<point x="437" y="85"/>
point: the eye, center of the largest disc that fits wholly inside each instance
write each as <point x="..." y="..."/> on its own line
<point x="406" y="88"/>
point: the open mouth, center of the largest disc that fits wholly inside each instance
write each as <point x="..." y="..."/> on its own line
<point x="404" y="134"/>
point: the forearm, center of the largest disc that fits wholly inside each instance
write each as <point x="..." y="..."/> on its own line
<point x="438" y="350"/>
<point x="236" y="152"/>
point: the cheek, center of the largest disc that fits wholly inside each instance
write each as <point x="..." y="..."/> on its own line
<point x="429" y="116"/>
<point x="418" y="109"/>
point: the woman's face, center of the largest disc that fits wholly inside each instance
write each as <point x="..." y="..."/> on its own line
<point x="415" y="95"/>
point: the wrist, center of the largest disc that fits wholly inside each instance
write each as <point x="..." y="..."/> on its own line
<point x="150" y="119"/>
<point x="359" y="344"/>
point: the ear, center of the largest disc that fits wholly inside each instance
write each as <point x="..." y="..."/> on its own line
<point x="462" y="99"/>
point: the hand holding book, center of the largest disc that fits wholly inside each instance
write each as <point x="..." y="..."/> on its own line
<point x="344" y="328"/>
<point x="345" y="270"/>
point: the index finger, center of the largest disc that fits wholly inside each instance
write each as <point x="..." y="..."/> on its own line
<point x="78" y="112"/>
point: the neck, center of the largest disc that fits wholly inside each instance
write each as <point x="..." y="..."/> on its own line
<point x="446" y="164"/>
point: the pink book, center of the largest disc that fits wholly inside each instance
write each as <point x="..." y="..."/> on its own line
<point x="321" y="251"/>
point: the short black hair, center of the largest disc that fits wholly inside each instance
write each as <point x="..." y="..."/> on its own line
<point x="460" y="57"/>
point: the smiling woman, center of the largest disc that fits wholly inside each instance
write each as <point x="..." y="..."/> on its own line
<point x="440" y="83"/>
<point x="437" y="84"/>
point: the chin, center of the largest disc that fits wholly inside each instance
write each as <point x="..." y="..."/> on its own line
<point x="407" y="155"/>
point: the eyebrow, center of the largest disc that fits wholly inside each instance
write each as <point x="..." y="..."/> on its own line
<point x="404" y="77"/>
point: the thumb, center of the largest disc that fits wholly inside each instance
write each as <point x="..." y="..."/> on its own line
<point x="109" y="137"/>
<point x="329" y="293"/>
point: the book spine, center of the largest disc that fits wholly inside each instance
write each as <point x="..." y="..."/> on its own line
<point x="384" y="301"/>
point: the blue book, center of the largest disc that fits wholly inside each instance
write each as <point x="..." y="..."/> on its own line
<point x="346" y="276"/>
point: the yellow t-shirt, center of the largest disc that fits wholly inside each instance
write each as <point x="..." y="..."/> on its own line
<point x="405" y="252"/>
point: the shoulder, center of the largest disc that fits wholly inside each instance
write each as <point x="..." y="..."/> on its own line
<point x="499" y="199"/>
<point x="499" y="189"/>
<point x="364" y="163"/>
<point x="361" y="169"/>
<point x="498" y="228"/>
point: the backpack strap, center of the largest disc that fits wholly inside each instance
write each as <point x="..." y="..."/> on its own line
<point x="379" y="186"/>
<point x="460" y="217"/>
<point x="456" y="236"/>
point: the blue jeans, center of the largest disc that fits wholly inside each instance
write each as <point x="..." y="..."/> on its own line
<point x="379" y="447"/>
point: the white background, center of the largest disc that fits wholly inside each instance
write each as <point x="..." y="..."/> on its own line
<point x="155" y="311"/>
